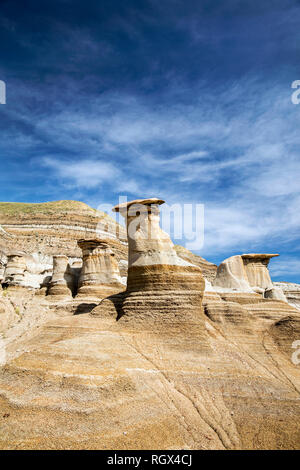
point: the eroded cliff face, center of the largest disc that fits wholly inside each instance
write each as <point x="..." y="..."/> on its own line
<point x="53" y="228"/>
<point x="41" y="231"/>
<point x="162" y="364"/>
<point x="291" y="292"/>
<point x="86" y="382"/>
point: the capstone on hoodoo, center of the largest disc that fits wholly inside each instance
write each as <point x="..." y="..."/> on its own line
<point x="161" y="286"/>
<point x="248" y="273"/>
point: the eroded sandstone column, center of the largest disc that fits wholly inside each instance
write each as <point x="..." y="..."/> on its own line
<point x="2" y="271"/>
<point x="15" y="269"/>
<point x="231" y="274"/>
<point x="61" y="282"/>
<point x="100" y="275"/>
<point x="160" y="285"/>
<point x="256" y="266"/>
<point x="247" y="273"/>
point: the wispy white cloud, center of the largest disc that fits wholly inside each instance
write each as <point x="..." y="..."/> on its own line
<point x="84" y="173"/>
<point x="234" y="150"/>
<point x="285" y="267"/>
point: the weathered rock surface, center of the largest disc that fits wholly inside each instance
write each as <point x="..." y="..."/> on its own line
<point x="247" y="273"/>
<point x="43" y="230"/>
<point x="256" y="267"/>
<point x="291" y="292"/>
<point x="84" y="382"/>
<point x="209" y="270"/>
<point x="62" y="281"/>
<point x="100" y="275"/>
<point x="161" y="286"/>
<point x="162" y="365"/>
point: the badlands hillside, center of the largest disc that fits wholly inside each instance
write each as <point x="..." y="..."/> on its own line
<point x="45" y="229"/>
<point x="117" y="341"/>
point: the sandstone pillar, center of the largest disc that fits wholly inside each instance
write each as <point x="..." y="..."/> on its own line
<point x="2" y="271"/>
<point x="100" y="274"/>
<point x="245" y="273"/>
<point x="231" y="274"/>
<point x="61" y="282"/>
<point x="256" y="266"/>
<point x="160" y="285"/>
<point x="15" y="269"/>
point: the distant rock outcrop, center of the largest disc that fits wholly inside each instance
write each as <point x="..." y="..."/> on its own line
<point x="291" y="292"/>
<point x="44" y="230"/>
<point x="248" y="273"/>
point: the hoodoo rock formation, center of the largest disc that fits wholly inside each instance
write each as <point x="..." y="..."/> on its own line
<point x="256" y="267"/>
<point x="62" y="281"/>
<point x="15" y="269"/>
<point x="248" y="273"/>
<point x="44" y="230"/>
<point x="161" y="286"/>
<point x="100" y="275"/>
<point x="158" y="364"/>
<point x="3" y="262"/>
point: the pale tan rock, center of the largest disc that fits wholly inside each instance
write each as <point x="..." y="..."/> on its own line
<point x="161" y="287"/>
<point x="94" y="383"/>
<point x="231" y="274"/>
<point x="8" y="316"/>
<point x="209" y="270"/>
<point x="61" y="282"/>
<point x="275" y="293"/>
<point x="15" y="269"/>
<point x="166" y="375"/>
<point x="291" y="291"/>
<point x="2" y="271"/>
<point x="148" y="244"/>
<point x="100" y="275"/>
<point x="245" y="273"/>
<point x="46" y="229"/>
<point x="256" y="266"/>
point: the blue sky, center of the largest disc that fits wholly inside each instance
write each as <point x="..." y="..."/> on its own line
<point x="188" y="100"/>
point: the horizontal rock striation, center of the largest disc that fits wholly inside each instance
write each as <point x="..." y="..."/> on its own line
<point x="291" y="292"/>
<point x="61" y="285"/>
<point x="43" y="230"/>
<point x="247" y="273"/>
<point x="209" y="270"/>
<point x="93" y="383"/>
<point x="161" y="287"/>
<point x="15" y="269"/>
<point x="100" y="275"/>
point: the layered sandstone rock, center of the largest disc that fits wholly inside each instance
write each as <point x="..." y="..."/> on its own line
<point x="8" y="316"/>
<point x="100" y="275"/>
<point x="247" y="273"/>
<point x="53" y="228"/>
<point x="2" y="271"/>
<point x="62" y="282"/>
<point x="275" y="293"/>
<point x="168" y="374"/>
<point x="47" y="229"/>
<point x="94" y="383"/>
<point x="209" y="270"/>
<point x="160" y="286"/>
<point x="231" y="274"/>
<point x="291" y="291"/>
<point x="256" y="267"/>
<point x="15" y="269"/>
